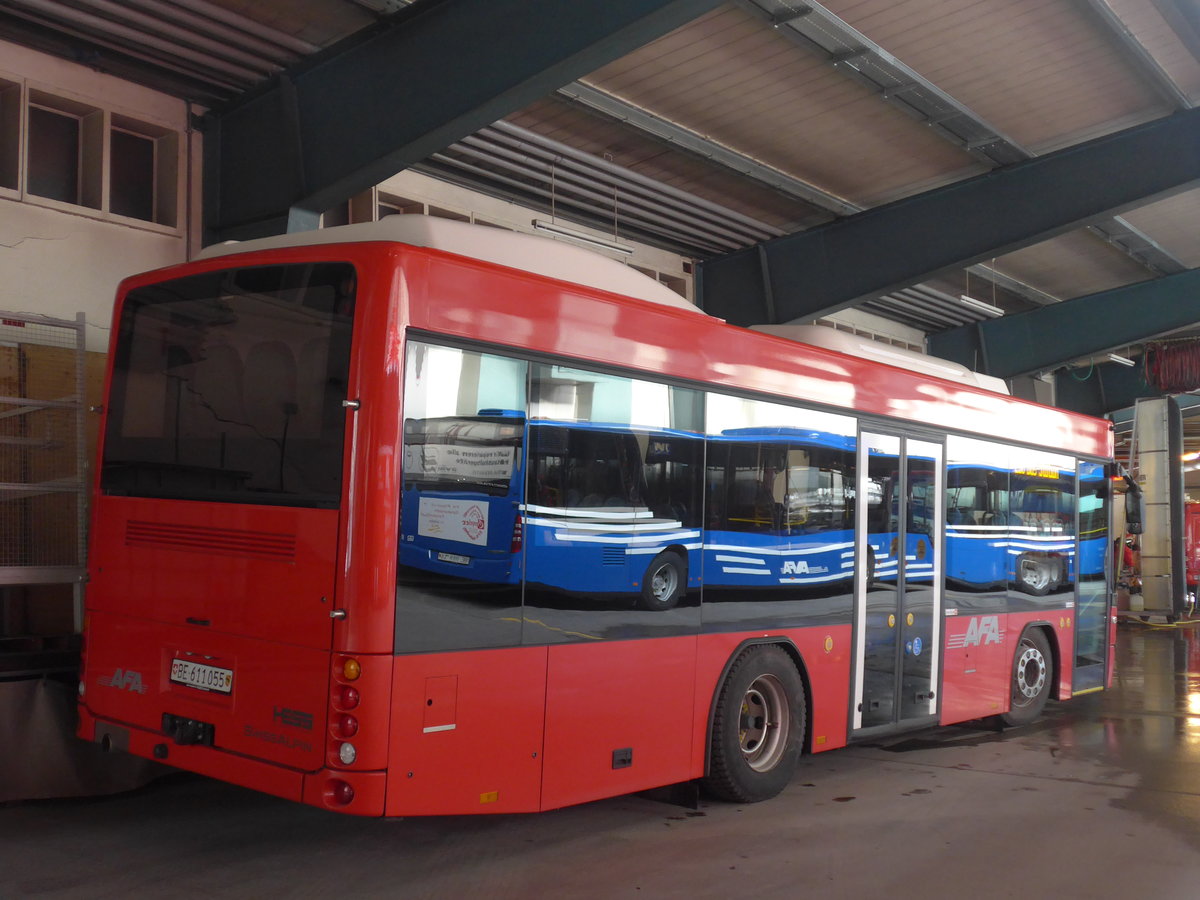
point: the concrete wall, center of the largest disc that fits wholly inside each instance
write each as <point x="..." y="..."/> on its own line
<point x="58" y="259"/>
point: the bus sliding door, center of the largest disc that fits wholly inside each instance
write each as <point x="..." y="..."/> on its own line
<point x="898" y="585"/>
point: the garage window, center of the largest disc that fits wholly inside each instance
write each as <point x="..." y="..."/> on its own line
<point x="10" y="134"/>
<point x="143" y="170"/>
<point x="87" y="156"/>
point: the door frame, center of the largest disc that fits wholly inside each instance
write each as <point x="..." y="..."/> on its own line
<point x="865" y="444"/>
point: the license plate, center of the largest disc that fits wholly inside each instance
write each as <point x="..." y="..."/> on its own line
<point x="454" y="558"/>
<point x="202" y="677"/>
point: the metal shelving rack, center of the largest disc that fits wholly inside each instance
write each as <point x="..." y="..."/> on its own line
<point x="43" y="453"/>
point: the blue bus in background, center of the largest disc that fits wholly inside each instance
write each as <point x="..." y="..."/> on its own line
<point x="643" y="512"/>
<point x="617" y="502"/>
<point x="460" y="504"/>
<point x="1011" y="528"/>
<point x="780" y="509"/>
<point x="651" y="513"/>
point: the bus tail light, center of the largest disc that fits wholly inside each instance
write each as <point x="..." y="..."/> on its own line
<point x="339" y="792"/>
<point x="345" y="695"/>
<point x="518" y="535"/>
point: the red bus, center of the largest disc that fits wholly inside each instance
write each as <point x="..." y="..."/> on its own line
<point x="283" y="418"/>
<point x="1191" y="544"/>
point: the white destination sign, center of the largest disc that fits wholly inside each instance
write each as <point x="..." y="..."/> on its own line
<point x="458" y="462"/>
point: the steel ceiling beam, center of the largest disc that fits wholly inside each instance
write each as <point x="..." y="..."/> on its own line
<point x="705" y="147"/>
<point x="396" y="93"/>
<point x="1105" y="389"/>
<point x="826" y="269"/>
<point x="1044" y="339"/>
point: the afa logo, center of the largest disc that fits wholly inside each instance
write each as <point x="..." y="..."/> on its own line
<point x="124" y="680"/>
<point x="981" y="630"/>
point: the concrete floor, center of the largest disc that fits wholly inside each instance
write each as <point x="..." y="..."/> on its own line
<point x="1099" y="799"/>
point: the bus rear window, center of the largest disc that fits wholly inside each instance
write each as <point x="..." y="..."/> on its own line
<point x="463" y="453"/>
<point x="228" y="387"/>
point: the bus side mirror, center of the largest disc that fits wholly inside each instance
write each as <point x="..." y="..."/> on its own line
<point x="1133" y="508"/>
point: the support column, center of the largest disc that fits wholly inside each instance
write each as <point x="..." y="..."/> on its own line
<point x="1158" y="434"/>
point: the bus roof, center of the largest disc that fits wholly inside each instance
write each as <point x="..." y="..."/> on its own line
<point x="865" y="348"/>
<point x="527" y="252"/>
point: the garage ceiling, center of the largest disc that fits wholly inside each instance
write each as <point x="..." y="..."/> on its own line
<point x="761" y="119"/>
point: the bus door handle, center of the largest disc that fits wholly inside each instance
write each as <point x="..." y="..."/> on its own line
<point x="352" y="404"/>
<point x="337" y="614"/>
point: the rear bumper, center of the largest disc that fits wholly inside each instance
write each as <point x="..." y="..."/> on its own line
<point x="312" y="788"/>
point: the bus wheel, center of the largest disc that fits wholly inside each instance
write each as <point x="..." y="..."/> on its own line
<point x="663" y="583"/>
<point x="758" y="727"/>
<point x="1032" y="676"/>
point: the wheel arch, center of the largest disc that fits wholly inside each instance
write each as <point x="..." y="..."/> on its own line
<point x="679" y="549"/>
<point x="1051" y="635"/>
<point x="793" y="652"/>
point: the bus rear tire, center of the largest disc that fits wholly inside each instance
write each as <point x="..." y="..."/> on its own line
<point x="1032" y="678"/>
<point x="663" y="583"/>
<point x="758" y="727"/>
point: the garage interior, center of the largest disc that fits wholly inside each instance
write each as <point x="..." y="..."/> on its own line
<point x="1011" y="186"/>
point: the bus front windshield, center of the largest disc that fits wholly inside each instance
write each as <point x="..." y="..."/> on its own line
<point x="228" y="386"/>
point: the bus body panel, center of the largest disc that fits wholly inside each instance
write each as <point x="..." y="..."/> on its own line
<point x="611" y="726"/>
<point x="466" y="732"/>
<point x="976" y="680"/>
<point x="273" y="708"/>
<point x="270" y="778"/>
<point x="978" y="656"/>
<point x="256" y="571"/>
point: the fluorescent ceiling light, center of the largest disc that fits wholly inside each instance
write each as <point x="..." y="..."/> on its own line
<point x="580" y="236"/>
<point x="985" y="308"/>
<point x="1120" y="360"/>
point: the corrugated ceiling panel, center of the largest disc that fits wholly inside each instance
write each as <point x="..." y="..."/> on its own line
<point x="1044" y="73"/>
<point x="1072" y="265"/>
<point x="731" y="77"/>
<point x="560" y="121"/>
<point x="1154" y="33"/>
<point x="1172" y="222"/>
<point x="316" y="21"/>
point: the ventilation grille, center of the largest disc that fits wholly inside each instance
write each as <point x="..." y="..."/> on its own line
<point x="199" y="539"/>
<point x="613" y="556"/>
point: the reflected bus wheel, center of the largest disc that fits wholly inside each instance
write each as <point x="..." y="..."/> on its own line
<point x="663" y="583"/>
<point x="1031" y="679"/>
<point x="1034" y="576"/>
<point x="758" y="727"/>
